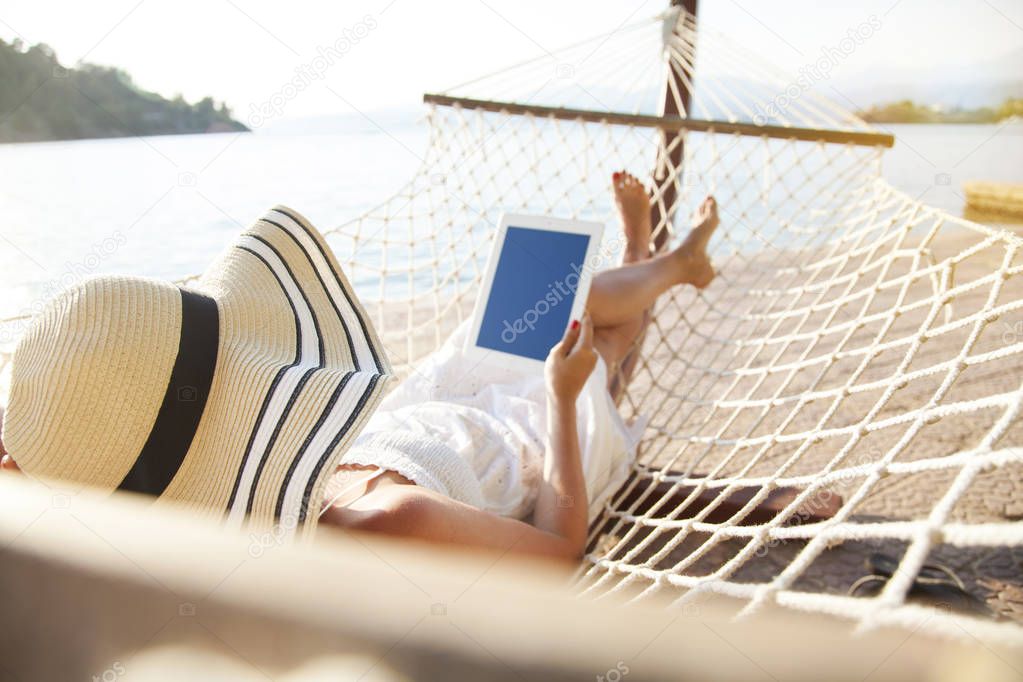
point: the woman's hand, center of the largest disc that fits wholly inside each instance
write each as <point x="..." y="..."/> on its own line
<point x="571" y="362"/>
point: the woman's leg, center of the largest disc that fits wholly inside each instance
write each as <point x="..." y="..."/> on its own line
<point x="621" y="294"/>
<point x="620" y="299"/>
<point x="615" y="342"/>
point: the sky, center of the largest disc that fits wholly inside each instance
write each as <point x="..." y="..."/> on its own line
<point x="243" y="51"/>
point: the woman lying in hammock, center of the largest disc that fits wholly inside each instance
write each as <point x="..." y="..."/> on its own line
<point x="487" y="448"/>
<point x="456" y="454"/>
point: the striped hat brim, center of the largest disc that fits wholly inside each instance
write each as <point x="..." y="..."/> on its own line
<point x="299" y="370"/>
<point x="237" y="396"/>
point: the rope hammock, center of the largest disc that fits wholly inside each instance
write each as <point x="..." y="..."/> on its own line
<point x="849" y="352"/>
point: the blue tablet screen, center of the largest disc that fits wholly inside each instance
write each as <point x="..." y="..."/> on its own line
<point x="534" y="288"/>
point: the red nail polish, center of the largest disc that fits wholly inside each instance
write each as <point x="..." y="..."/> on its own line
<point x="575" y="324"/>
<point x="616" y="175"/>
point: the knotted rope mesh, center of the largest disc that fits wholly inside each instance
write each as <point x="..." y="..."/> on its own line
<point x="857" y="347"/>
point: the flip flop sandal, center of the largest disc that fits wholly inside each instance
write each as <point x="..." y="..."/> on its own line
<point x="882" y="564"/>
<point x="935" y="584"/>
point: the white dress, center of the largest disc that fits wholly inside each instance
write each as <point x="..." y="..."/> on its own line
<point x="476" y="432"/>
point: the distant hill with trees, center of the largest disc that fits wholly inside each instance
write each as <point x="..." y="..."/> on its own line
<point x="908" y="111"/>
<point x="42" y="100"/>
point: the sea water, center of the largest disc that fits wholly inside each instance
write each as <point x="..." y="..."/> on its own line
<point x="165" y="206"/>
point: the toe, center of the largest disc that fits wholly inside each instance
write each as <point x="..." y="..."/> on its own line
<point x="709" y="213"/>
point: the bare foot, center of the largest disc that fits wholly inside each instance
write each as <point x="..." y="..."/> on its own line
<point x="694" y="264"/>
<point x="634" y="208"/>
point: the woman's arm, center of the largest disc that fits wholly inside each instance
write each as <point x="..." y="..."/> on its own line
<point x="560" y="517"/>
<point x="561" y="506"/>
<point x="413" y="512"/>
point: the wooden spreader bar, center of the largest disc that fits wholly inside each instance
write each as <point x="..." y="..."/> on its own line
<point x="669" y="123"/>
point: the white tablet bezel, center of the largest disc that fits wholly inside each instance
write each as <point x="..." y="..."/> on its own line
<point x="594" y="230"/>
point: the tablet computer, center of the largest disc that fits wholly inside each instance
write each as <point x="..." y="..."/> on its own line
<point x="535" y="283"/>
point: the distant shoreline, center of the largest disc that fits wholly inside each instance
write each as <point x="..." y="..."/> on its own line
<point x="43" y="101"/>
<point x="907" y="111"/>
<point x="126" y="136"/>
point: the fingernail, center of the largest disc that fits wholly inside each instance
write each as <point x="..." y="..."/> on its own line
<point x="575" y="324"/>
<point x="616" y="175"/>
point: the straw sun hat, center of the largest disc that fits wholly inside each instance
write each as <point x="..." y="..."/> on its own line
<point x="237" y="396"/>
